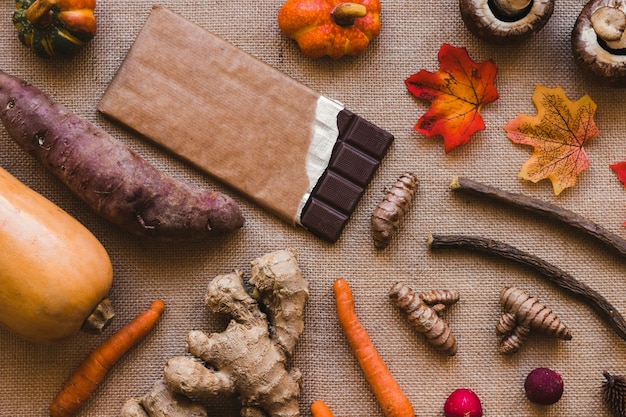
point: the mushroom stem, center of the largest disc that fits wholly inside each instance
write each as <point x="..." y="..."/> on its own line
<point x="38" y="13"/>
<point x="510" y="9"/>
<point x="609" y="24"/>
<point x="344" y="14"/>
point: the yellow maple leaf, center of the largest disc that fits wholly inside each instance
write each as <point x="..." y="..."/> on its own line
<point x="557" y="133"/>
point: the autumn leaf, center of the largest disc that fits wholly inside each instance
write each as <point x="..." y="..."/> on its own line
<point x="557" y="133"/>
<point x="620" y="169"/>
<point x="457" y="93"/>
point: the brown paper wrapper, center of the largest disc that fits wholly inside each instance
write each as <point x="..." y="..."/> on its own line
<point x="220" y="109"/>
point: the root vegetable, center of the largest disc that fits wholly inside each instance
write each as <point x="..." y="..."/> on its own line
<point x="543" y="386"/>
<point x="160" y="401"/>
<point x="320" y="409"/>
<point x="92" y="371"/>
<point x="390" y="396"/>
<point x="422" y="312"/>
<point x="524" y="313"/>
<point x="248" y="359"/>
<point x="390" y="212"/>
<point x="280" y="287"/>
<point x="54" y="271"/>
<point x="113" y="180"/>
<point x="463" y="402"/>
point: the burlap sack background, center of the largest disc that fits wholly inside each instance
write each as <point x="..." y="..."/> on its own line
<point x="372" y="86"/>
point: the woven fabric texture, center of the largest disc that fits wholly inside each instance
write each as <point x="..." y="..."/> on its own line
<point x="371" y="85"/>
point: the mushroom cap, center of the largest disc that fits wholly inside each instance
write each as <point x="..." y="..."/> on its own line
<point x="595" y="61"/>
<point x="486" y="23"/>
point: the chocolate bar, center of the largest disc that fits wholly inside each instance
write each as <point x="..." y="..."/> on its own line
<point x="296" y="153"/>
<point x="356" y="157"/>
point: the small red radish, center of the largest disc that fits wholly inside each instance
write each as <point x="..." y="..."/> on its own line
<point x="544" y="386"/>
<point x="463" y="402"/>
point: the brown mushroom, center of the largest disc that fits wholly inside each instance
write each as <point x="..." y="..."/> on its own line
<point x="599" y="41"/>
<point x="505" y="21"/>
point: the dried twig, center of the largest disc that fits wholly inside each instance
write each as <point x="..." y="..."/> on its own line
<point x="542" y="208"/>
<point x="554" y="275"/>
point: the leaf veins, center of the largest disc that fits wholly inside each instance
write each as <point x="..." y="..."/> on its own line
<point x="557" y="133"/>
<point x="457" y="93"/>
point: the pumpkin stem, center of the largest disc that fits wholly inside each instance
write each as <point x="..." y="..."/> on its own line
<point x="39" y="14"/>
<point x="344" y="14"/>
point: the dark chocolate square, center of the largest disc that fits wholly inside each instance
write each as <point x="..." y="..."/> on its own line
<point x="339" y="192"/>
<point x="323" y="220"/>
<point x="368" y="137"/>
<point x="353" y="164"/>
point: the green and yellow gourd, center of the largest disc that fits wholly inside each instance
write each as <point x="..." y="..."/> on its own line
<point x="55" y="27"/>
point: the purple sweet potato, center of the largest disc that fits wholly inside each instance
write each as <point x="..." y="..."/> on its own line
<point x="112" y="179"/>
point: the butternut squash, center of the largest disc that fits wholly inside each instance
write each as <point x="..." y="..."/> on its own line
<point x="53" y="271"/>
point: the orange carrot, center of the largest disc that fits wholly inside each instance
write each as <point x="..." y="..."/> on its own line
<point x="387" y="391"/>
<point x="320" y="409"/>
<point x="91" y="372"/>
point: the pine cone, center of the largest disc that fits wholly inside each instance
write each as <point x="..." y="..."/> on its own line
<point x="614" y="394"/>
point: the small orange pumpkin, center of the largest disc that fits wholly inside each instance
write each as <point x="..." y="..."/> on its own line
<point x="330" y="27"/>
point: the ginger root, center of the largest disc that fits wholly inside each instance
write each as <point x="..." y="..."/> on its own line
<point x="249" y="357"/>
<point x="422" y="312"/>
<point x="390" y="212"/>
<point x="523" y="313"/>
<point x="161" y="402"/>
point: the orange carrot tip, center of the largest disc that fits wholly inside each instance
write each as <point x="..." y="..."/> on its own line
<point x="320" y="409"/>
<point x="93" y="369"/>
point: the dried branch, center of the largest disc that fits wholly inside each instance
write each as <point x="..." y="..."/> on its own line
<point x="553" y="274"/>
<point x="542" y="208"/>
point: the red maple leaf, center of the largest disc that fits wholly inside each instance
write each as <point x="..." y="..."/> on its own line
<point x="457" y="92"/>
<point x="620" y="169"/>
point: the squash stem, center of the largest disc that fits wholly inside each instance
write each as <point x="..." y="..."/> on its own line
<point x="344" y="14"/>
<point x="39" y="14"/>
<point x="99" y="318"/>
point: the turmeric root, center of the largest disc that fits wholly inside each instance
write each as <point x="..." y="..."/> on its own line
<point x="249" y="359"/>
<point x="523" y="313"/>
<point x="422" y="312"/>
<point x="390" y="212"/>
